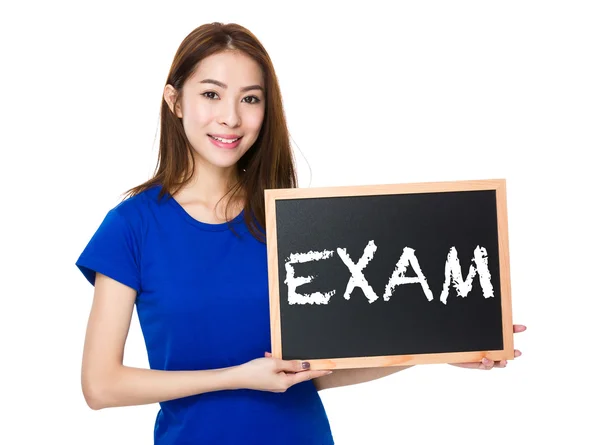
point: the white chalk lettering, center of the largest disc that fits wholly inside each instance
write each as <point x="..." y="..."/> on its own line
<point x="398" y="277"/>
<point x="454" y="274"/>
<point x="358" y="279"/>
<point x="294" y="282"/>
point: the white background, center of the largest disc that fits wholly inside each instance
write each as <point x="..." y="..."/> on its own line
<point x="374" y="93"/>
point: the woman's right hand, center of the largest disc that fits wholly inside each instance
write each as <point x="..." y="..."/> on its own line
<point x="275" y="375"/>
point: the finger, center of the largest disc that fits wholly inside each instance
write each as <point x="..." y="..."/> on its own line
<point x="517" y="353"/>
<point x="293" y="366"/>
<point x="501" y="364"/>
<point x="486" y="364"/>
<point x="519" y="328"/>
<point x="467" y="365"/>
<point x="268" y="354"/>
<point x="307" y="375"/>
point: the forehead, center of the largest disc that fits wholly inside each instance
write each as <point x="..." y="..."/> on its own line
<point x="233" y="68"/>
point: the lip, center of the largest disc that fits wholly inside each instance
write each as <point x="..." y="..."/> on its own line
<point x="226" y="136"/>
<point x="225" y="144"/>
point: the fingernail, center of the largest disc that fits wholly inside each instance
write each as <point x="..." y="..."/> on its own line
<point x="486" y="361"/>
<point x="305" y="365"/>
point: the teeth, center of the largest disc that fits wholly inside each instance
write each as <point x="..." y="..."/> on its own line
<point x="227" y="141"/>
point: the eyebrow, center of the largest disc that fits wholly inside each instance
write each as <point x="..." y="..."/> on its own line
<point x="222" y="85"/>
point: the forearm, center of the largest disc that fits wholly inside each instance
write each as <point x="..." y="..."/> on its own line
<point x="126" y="386"/>
<point x="346" y="377"/>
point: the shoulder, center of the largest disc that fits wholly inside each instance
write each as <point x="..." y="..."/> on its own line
<point x="138" y="207"/>
<point x="116" y="247"/>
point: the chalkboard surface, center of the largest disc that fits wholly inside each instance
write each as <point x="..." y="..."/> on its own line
<point x="387" y="275"/>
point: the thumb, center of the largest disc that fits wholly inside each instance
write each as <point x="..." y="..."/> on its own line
<point x="268" y="355"/>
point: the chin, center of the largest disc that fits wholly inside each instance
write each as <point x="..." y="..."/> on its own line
<point x="225" y="160"/>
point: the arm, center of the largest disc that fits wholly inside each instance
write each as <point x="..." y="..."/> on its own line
<point x="106" y="382"/>
<point x="346" y="377"/>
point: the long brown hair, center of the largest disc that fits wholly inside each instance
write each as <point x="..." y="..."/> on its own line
<point x="268" y="164"/>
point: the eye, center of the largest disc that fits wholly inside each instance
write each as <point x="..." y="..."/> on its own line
<point x="210" y="95"/>
<point x="252" y="99"/>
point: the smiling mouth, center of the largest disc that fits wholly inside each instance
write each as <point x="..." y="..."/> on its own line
<point x="226" y="141"/>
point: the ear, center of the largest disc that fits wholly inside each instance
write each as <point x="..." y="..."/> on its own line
<point x="170" y="95"/>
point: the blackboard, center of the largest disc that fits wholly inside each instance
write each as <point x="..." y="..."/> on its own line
<point x="382" y="275"/>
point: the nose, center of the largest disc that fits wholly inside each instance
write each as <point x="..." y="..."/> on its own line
<point x="229" y="114"/>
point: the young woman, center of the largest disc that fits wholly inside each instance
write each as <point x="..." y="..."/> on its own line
<point x="187" y="249"/>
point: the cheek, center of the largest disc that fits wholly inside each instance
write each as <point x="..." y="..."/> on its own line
<point x="255" y="120"/>
<point x="197" y="115"/>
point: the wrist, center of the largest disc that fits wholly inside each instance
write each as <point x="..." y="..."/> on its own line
<point x="233" y="377"/>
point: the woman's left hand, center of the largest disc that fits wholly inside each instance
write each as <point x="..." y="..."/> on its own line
<point x="486" y="363"/>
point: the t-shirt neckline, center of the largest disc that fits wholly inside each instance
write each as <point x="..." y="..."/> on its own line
<point x="217" y="227"/>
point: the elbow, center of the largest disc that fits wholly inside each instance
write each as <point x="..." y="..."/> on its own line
<point x="93" y="403"/>
<point x="97" y="393"/>
<point x="94" y="396"/>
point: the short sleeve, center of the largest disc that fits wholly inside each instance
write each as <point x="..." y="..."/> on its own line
<point x="113" y="251"/>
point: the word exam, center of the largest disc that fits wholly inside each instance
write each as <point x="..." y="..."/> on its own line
<point x="453" y="275"/>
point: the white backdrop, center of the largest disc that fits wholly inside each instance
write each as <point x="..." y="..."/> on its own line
<point x="374" y="92"/>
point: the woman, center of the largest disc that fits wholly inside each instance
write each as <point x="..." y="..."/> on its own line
<point x="187" y="249"/>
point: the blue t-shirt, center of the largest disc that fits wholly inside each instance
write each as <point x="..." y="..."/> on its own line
<point x="203" y="303"/>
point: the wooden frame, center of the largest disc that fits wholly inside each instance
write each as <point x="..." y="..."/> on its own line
<point x="498" y="185"/>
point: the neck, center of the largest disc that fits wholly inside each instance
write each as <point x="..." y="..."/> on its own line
<point x="208" y="186"/>
<point x="211" y="184"/>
